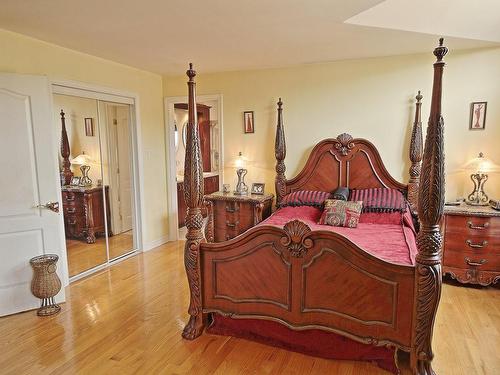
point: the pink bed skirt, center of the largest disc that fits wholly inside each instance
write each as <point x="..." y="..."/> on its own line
<point x="312" y="342"/>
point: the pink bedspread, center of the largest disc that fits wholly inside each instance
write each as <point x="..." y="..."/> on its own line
<point x="388" y="236"/>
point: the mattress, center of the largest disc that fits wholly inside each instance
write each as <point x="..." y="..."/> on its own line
<point x="387" y="236"/>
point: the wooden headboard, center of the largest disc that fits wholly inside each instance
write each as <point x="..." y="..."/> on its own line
<point x="343" y="161"/>
<point x="346" y="161"/>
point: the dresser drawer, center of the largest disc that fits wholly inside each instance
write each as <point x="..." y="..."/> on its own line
<point x="69" y="196"/>
<point x="469" y="259"/>
<point x="472" y="225"/>
<point x="474" y="243"/>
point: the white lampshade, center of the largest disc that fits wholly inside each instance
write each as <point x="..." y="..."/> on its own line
<point x="240" y="161"/>
<point x="82" y="159"/>
<point x="481" y="165"/>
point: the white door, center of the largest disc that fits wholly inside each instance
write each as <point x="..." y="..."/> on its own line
<point x="29" y="177"/>
<point x="124" y="166"/>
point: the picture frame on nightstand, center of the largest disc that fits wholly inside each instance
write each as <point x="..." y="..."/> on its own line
<point x="258" y="188"/>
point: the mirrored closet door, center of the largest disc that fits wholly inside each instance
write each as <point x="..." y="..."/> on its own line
<point x="96" y="181"/>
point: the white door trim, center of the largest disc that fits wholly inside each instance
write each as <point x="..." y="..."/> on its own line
<point x="82" y="89"/>
<point x="173" y="221"/>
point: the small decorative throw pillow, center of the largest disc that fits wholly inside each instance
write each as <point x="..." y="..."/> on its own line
<point x="379" y="199"/>
<point x="341" y="193"/>
<point x="341" y="213"/>
<point x="305" y="198"/>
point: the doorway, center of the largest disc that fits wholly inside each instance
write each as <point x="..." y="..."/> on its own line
<point x="99" y="179"/>
<point x="210" y="121"/>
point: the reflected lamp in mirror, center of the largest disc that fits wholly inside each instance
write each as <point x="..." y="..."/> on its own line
<point x="241" y="187"/>
<point x="83" y="161"/>
<point x="479" y="168"/>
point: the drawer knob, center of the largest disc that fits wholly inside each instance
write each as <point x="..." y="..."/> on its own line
<point x="71" y="221"/>
<point x="476" y="245"/>
<point x="71" y="210"/>
<point x="472" y="226"/>
<point x="476" y="264"/>
<point x="232" y="209"/>
<point x="232" y="225"/>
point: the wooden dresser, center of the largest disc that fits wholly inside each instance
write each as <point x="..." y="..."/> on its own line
<point x="230" y="214"/>
<point x="472" y="244"/>
<point x="83" y="210"/>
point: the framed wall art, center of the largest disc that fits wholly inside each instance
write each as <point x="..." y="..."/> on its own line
<point x="89" y="126"/>
<point x="477" y="116"/>
<point x="248" y="122"/>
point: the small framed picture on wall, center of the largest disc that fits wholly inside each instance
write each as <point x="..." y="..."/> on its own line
<point x="89" y="126"/>
<point x="477" y="116"/>
<point x="248" y="122"/>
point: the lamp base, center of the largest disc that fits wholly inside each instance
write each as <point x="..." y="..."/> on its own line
<point x="476" y="203"/>
<point x="241" y="187"/>
<point x="478" y="197"/>
<point x="85" y="180"/>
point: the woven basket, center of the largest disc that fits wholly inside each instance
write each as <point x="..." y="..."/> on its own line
<point x="45" y="283"/>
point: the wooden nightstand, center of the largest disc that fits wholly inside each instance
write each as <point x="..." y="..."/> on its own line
<point x="471" y="251"/>
<point x="229" y="215"/>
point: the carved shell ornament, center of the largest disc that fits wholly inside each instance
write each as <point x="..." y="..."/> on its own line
<point x="344" y="144"/>
<point x="296" y="238"/>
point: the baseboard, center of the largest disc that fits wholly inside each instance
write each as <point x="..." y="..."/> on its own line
<point x="155" y="243"/>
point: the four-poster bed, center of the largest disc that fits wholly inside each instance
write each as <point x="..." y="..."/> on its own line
<point x="309" y="278"/>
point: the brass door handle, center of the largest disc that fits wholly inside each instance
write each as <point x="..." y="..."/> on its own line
<point x="476" y="245"/>
<point x="476" y="264"/>
<point x="472" y="226"/>
<point x="53" y="206"/>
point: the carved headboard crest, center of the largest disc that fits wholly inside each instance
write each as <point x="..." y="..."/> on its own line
<point x="344" y="143"/>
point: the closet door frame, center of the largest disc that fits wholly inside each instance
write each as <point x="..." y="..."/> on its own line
<point x="84" y="90"/>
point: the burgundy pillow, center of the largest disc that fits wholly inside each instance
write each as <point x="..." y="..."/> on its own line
<point x="305" y="198"/>
<point x="379" y="199"/>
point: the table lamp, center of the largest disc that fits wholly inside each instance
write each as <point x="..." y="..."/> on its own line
<point x="479" y="167"/>
<point x="83" y="160"/>
<point x="241" y="187"/>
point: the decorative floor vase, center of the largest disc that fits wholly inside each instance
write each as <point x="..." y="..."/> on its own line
<point x="45" y="283"/>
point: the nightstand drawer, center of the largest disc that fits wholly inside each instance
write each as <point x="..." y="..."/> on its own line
<point x="469" y="259"/>
<point x="472" y="225"/>
<point x="483" y="244"/>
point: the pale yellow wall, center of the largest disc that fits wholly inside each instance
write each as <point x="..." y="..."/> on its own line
<point x="21" y="54"/>
<point x="369" y="98"/>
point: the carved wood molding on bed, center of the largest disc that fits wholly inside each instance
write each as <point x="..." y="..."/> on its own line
<point x="307" y="278"/>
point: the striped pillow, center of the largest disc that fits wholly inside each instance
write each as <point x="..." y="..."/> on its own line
<point x="379" y="199"/>
<point x="305" y="198"/>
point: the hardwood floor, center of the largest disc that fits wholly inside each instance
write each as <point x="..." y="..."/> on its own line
<point x="128" y="319"/>
<point x="83" y="256"/>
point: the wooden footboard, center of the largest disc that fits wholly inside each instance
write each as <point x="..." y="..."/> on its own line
<point x="309" y="279"/>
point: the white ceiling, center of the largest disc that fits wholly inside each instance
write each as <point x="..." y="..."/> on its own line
<point x="164" y="35"/>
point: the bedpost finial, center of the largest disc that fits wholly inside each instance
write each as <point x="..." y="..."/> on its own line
<point x="440" y="51"/>
<point x="419" y="97"/>
<point x="190" y="72"/>
<point x="280" y="103"/>
<point x="62" y="114"/>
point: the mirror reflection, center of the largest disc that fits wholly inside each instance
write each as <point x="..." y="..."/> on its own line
<point x="116" y="155"/>
<point x="96" y="180"/>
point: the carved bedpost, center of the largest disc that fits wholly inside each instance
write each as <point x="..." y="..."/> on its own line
<point x="66" y="173"/>
<point x="429" y="239"/>
<point x="416" y="145"/>
<point x="193" y="196"/>
<point x="280" y="153"/>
